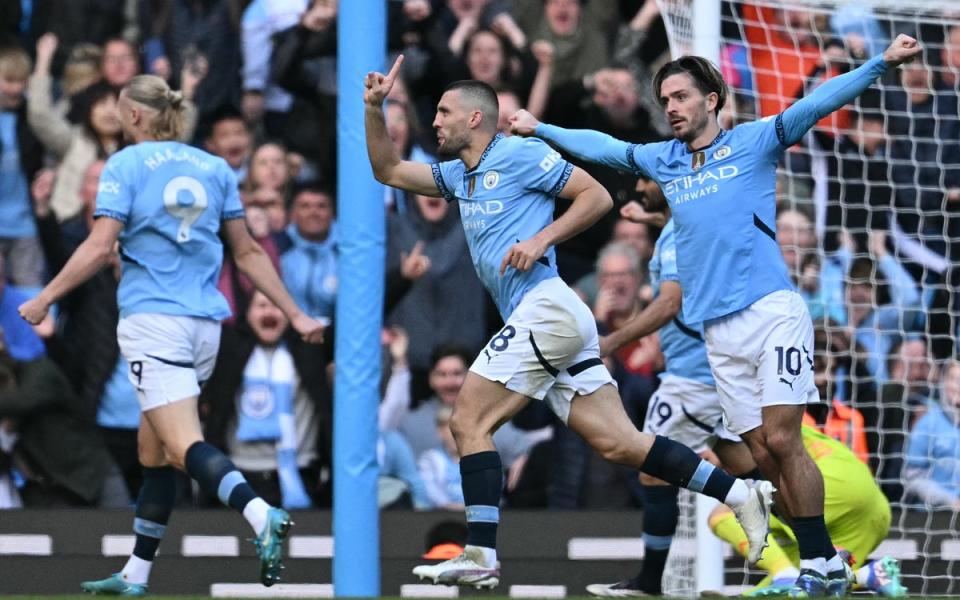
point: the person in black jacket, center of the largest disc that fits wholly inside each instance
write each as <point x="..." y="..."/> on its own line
<point x="238" y="398"/>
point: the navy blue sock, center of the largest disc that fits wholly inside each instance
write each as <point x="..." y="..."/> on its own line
<point x="216" y="474"/>
<point x="680" y="466"/>
<point x="482" y="480"/>
<point x="812" y="537"/>
<point x="660" y="515"/>
<point x="154" y="505"/>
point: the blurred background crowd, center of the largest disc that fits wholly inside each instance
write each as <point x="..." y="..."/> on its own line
<point x="867" y="221"/>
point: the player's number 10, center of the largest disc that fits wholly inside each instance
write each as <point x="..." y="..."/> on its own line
<point x="185" y="198"/>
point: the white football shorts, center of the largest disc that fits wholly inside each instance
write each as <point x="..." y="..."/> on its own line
<point x="169" y="356"/>
<point x="762" y="356"/>
<point x="687" y="411"/>
<point x="548" y="350"/>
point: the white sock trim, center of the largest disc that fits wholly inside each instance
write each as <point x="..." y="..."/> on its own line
<point x="136" y="570"/>
<point x="255" y="512"/>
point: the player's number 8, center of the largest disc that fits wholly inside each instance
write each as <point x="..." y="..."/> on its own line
<point x="175" y="193"/>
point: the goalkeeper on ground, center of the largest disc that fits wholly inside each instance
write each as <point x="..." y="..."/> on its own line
<point x="857" y="516"/>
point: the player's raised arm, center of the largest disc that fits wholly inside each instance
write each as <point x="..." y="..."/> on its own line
<point x="387" y="166"/>
<point x="585" y="144"/>
<point x="590" y="202"/>
<point x="838" y="91"/>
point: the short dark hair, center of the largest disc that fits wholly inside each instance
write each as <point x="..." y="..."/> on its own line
<point x="478" y="95"/>
<point x="705" y="76"/>
<point x="863" y="270"/>
<point x="447" y="350"/>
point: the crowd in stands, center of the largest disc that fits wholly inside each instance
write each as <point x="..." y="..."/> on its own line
<point x="867" y="221"/>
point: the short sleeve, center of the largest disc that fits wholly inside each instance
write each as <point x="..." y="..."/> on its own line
<point x="543" y="167"/>
<point x="443" y="177"/>
<point x="232" y="205"/>
<point x="115" y="192"/>
<point x="668" y="260"/>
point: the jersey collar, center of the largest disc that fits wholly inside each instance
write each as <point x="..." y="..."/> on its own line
<point x="716" y="140"/>
<point x="489" y="147"/>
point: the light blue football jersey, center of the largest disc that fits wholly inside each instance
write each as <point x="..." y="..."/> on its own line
<point x="724" y="208"/>
<point x="171" y="198"/>
<point x="723" y="196"/>
<point x="507" y="198"/>
<point x="684" y="350"/>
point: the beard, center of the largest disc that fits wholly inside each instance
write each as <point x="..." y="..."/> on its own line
<point x="453" y="145"/>
<point x="696" y="128"/>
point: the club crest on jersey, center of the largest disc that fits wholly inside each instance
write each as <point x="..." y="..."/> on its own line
<point x="698" y="160"/>
<point x="491" y="179"/>
<point x="722" y="152"/>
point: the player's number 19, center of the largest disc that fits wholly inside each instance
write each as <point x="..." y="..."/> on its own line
<point x="175" y="193"/>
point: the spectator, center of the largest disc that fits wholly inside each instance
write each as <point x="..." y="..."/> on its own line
<point x="819" y="279"/>
<point x="439" y="466"/>
<point x="925" y="161"/>
<point x="97" y="134"/>
<point x="310" y="263"/>
<point x="875" y="324"/>
<point x="203" y="37"/>
<point x="78" y="22"/>
<point x="120" y="62"/>
<point x="449" y="369"/>
<point x="580" y="49"/>
<point x="446" y="304"/>
<point x="405" y="132"/>
<point x="270" y="201"/>
<point x="21" y="157"/>
<point x="263" y="101"/>
<point x="304" y="63"/>
<point x="949" y="79"/>
<point x="269" y="168"/>
<point x="58" y="452"/>
<point x="618" y="301"/>
<point x="633" y="234"/>
<point x="835" y="418"/>
<point x="932" y="471"/>
<point x="234" y="285"/>
<point x="398" y="466"/>
<point x="86" y="346"/>
<point x="230" y="139"/>
<point x="859" y="194"/>
<point x="265" y="378"/>
<point x="912" y="367"/>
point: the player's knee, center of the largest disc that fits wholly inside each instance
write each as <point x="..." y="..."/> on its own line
<point x="150" y="455"/>
<point x="463" y="426"/>
<point x="614" y="450"/>
<point x="782" y="443"/>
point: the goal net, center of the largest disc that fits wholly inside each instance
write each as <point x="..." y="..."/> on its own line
<point x="869" y="221"/>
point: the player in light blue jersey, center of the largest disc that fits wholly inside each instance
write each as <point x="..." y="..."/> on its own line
<point x="720" y="187"/>
<point x="685" y="408"/>
<point x="167" y="203"/>
<point x="548" y="350"/>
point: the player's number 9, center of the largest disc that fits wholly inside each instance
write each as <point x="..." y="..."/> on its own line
<point x="179" y="189"/>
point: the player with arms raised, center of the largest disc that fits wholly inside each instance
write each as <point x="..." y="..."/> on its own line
<point x="720" y="187"/>
<point x="166" y="202"/>
<point x="548" y="350"/>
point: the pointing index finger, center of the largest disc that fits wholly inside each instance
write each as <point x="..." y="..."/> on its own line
<point x="395" y="69"/>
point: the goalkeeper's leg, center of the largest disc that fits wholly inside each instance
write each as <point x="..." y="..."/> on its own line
<point x="780" y="567"/>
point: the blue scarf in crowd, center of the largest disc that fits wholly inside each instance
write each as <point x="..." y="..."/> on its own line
<point x="266" y="414"/>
